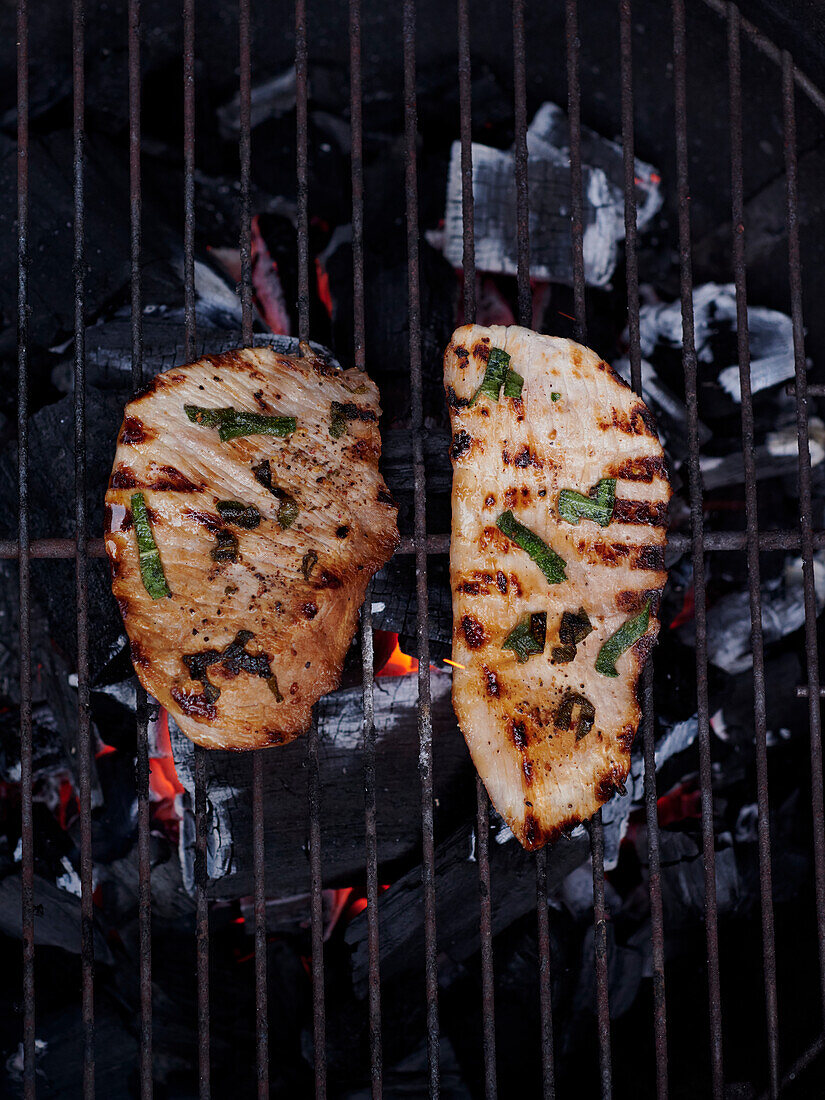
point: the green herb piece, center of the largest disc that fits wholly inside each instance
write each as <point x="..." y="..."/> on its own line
<point x="242" y="515"/>
<point x="337" y="420"/>
<point x="598" y="505"/>
<point x="232" y="423"/>
<point x="246" y="423"/>
<point x="562" y="654"/>
<point x="628" y="633"/>
<point x="287" y="512"/>
<point x="226" y="548"/>
<point x="555" y="396"/>
<point x="498" y="363"/>
<point x="151" y="568"/>
<point x="272" y="684"/>
<point x="537" y="550"/>
<point x="207" y="418"/>
<point x="574" y="628"/>
<point x="528" y="637"/>
<point x="564" y="713"/>
<point x="513" y="384"/>
<point x="308" y="563"/>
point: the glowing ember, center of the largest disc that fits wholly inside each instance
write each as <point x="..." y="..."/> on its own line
<point x="455" y="664"/>
<point x="398" y="663"/>
<point x="164" y="785"/>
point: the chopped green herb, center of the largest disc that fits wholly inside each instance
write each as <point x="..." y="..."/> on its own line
<point x="233" y="423"/>
<point x="272" y="684"/>
<point x="574" y="628"/>
<point x="562" y="654"/>
<point x="308" y="563"/>
<point x="226" y="548"/>
<point x="337" y="420"/>
<point x="245" y="423"/>
<point x="513" y="384"/>
<point x="287" y="512"/>
<point x="208" y="418"/>
<point x="151" y="568"/>
<point x="598" y="505"/>
<point x="537" y="550"/>
<point x="628" y="633"/>
<point x="564" y="713"/>
<point x="494" y="374"/>
<point x="242" y="515"/>
<point x="528" y="636"/>
<point x="555" y="396"/>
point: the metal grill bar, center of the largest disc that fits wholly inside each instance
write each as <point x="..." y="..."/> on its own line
<point x="313" y="775"/>
<point x="525" y="317"/>
<point x="752" y="527"/>
<point x="713" y="541"/>
<point x="425" y="726"/>
<point x="367" y="643"/>
<point x="811" y="649"/>
<point x="695" y="478"/>
<point x="142" y="705"/>
<point x="258" y="847"/>
<point x="482" y="801"/>
<point x="201" y="820"/>
<point x="657" y="934"/>
<point x="81" y="584"/>
<point x="580" y="329"/>
<point x="26" y="818"/>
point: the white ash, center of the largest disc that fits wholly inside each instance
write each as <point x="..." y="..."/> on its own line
<point x="550" y="203"/>
<point x="616" y="813"/>
<point x="714" y="310"/>
<point x="783" y="612"/>
<point x="271" y="99"/>
<point x="777" y="456"/>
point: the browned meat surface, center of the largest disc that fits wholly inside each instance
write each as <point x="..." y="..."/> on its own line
<point x="267" y="543"/>
<point x="550" y="734"/>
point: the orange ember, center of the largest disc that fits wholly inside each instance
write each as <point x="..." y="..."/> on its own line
<point x="398" y="663"/>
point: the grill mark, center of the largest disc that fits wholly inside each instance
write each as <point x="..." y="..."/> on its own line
<point x="309" y="610"/>
<point x="493" y="539"/>
<point x="328" y="580"/>
<point x="123" y="478"/>
<point x="482" y="349"/>
<point x="213" y="523"/>
<point x="638" y="421"/>
<point x="641" y="512"/>
<point x="648" y="557"/>
<point x="134" y="431"/>
<point x="474" y="633"/>
<point x="356" y="412"/>
<point x="639" y="469"/>
<point x="642" y="648"/>
<point x="385" y="498"/>
<point x="490" y="501"/>
<point x="195" y="706"/>
<point x="624" y="737"/>
<point x="518" y="734"/>
<point x="632" y="601"/>
<point x="501" y="581"/>
<point x="258" y="397"/>
<point x="524" y="458"/>
<point x="532" y="831"/>
<point x="470" y="588"/>
<point x="462" y="441"/>
<point x="461" y="352"/>
<point x="170" y="480"/>
<point x="491" y="682"/>
<point x="139" y="656"/>
<point x="454" y="401"/>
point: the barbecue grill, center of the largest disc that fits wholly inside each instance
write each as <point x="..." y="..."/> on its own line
<point x="772" y="1067"/>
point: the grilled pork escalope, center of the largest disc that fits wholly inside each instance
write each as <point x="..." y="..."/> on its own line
<point x="245" y="516"/>
<point x="560" y="499"/>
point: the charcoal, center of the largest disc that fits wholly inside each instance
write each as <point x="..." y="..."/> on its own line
<point x="57" y="916"/>
<point x="342" y="804"/>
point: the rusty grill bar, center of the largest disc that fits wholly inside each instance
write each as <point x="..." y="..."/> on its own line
<point x="752" y="541"/>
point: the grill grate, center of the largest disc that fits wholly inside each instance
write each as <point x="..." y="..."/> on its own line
<point x="752" y="541"/>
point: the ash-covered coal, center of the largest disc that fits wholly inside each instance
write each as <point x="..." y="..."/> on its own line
<point x="550" y="199"/>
